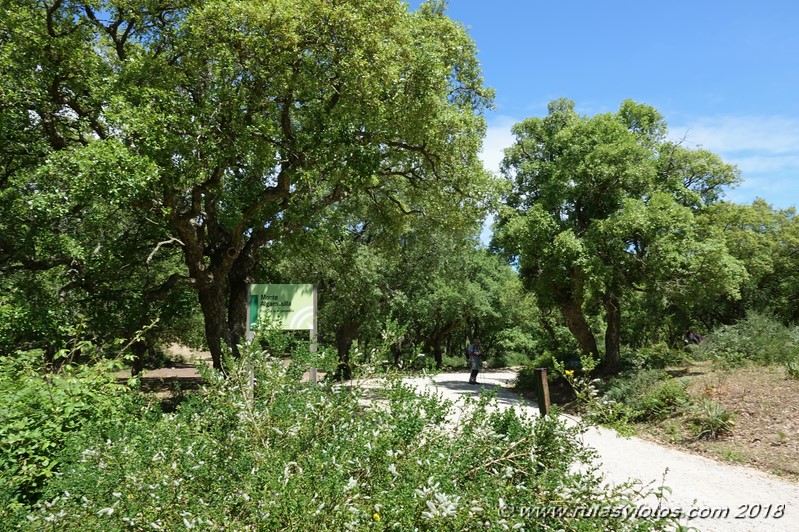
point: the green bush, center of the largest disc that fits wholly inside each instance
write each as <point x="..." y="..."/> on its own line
<point x="40" y="411"/>
<point x="511" y="348"/>
<point x="286" y="455"/>
<point x="758" y="339"/>
<point x="662" y="401"/>
<point x="657" y="356"/>
<point x="792" y="368"/>
<point x="526" y="378"/>
<point x="648" y="394"/>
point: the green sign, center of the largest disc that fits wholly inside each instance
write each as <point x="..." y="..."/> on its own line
<point x="288" y="306"/>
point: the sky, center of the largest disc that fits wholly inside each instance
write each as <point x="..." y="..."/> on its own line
<point x="724" y="74"/>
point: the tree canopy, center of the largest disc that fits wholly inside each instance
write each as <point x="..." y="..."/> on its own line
<point x="602" y="207"/>
<point x="224" y="126"/>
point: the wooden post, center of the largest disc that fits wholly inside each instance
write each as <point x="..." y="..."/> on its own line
<point x="542" y="390"/>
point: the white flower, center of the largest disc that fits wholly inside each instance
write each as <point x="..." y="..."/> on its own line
<point x="106" y="511"/>
<point x="393" y="469"/>
<point x="351" y="484"/>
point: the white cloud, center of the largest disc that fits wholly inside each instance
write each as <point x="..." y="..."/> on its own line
<point x="726" y="134"/>
<point x="765" y="149"/>
<point x="498" y="137"/>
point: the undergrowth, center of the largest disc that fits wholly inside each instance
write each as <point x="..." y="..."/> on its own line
<point x="260" y="450"/>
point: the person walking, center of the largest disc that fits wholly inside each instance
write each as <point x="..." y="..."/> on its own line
<point x="474" y="353"/>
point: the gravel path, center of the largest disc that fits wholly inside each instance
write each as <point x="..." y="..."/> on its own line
<point x="698" y="484"/>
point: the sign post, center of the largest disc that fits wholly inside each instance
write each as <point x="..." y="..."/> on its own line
<point x="290" y="307"/>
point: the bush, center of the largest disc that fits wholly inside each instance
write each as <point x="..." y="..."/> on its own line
<point x="511" y="348"/>
<point x="757" y="339"/>
<point x="662" y="401"/>
<point x="649" y="394"/>
<point x="40" y="411"/>
<point x="792" y="368"/>
<point x="291" y="455"/>
<point x="657" y="356"/>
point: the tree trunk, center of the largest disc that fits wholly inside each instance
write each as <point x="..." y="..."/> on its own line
<point x="550" y="330"/>
<point x="138" y="349"/>
<point x="575" y="320"/>
<point x="612" y="361"/>
<point x="213" y="304"/>
<point x="344" y="337"/>
<point x="238" y="303"/>
<point x="437" y="352"/>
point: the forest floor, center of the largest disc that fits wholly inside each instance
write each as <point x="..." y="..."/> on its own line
<point x="765" y="407"/>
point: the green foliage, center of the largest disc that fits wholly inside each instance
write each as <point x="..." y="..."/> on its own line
<point x="792" y="368"/>
<point x="657" y="356"/>
<point x="525" y="377"/>
<point x="601" y="207"/>
<point x="143" y="144"/>
<point x="710" y="420"/>
<point x="289" y="455"/>
<point x="757" y="339"/>
<point x="40" y="410"/>
<point x="648" y="395"/>
<point x="511" y="347"/>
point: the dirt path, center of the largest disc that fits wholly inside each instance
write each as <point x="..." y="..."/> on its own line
<point x="739" y="498"/>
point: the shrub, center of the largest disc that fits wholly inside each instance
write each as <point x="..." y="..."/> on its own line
<point x="757" y="339"/>
<point x="662" y="401"/>
<point x="657" y="356"/>
<point x="710" y="420"/>
<point x="291" y="455"/>
<point x="648" y="394"/>
<point x="40" y="410"/>
<point x="526" y="379"/>
<point x="792" y="368"/>
<point x="511" y="348"/>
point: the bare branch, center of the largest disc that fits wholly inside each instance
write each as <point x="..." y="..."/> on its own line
<point x="169" y="242"/>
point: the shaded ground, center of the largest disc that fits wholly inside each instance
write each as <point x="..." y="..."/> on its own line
<point x="765" y="407"/>
<point x="178" y="376"/>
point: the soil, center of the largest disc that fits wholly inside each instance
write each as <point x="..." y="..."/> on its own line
<point x="764" y="402"/>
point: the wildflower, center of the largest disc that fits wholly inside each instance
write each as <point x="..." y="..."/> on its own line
<point x="569" y="373"/>
<point x="105" y="511"/>
<point x="376" y="517"/>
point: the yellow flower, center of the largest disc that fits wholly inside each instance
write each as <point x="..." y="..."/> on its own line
<point x="376" y="517"/>
<point x="569" y="372"/>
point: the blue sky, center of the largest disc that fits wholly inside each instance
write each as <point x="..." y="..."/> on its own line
<point x="724" y="74"/>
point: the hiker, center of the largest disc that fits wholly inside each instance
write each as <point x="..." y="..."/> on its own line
<point x="474" y="353"/>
